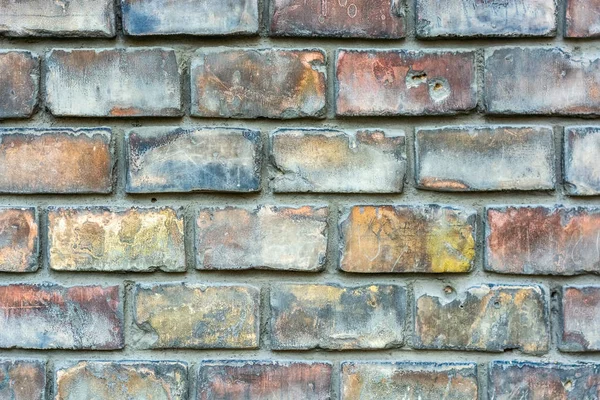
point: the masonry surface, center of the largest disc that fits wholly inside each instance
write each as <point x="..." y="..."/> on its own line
<point x="299" y="199"/>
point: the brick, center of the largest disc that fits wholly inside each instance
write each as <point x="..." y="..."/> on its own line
<point x="252" y="83"/>
<point x="528" y="380"/>
<point x="542" y="240"/>
<point x="168" y="159"/>
<point x="19" y="242"/>
<point x="19" y="82"/>
<point x="133" y="82"/>
<point x="333" y="317"/>
<point x="387" y="380"/>
<point x="581" y="154"/>
<point x="195" y="17"/>
<point x="582" y="19"/>
<point x="22" y="379"/>
<point x="485" y="158"/>
<point x="404" y="82"/>
<point x="264" y="237"/>
<point x="366" y="19"/>
<point x="333" y="161"/>
<point x="224" y="380"/>
<point x="196" y="316"/>
<point x="49" y="316"/>
<point x="580" y="318"/>
<point x="556" y="81"/>
<point x="121" y="380"/>
<point x="415" y="239"/>
<point x="491" y="318"/>
<point x="474" y="18"/>
<point x="110" y="239"/>
<point x="82" y="18"/>
<point x="55" y="160"/>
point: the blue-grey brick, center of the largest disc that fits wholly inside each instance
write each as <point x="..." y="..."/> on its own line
<point x="582" y="160"/>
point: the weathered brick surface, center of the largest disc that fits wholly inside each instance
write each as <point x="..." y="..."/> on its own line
<point x="49" y="316"/>
<point x="55" y="160"/>
<point x="327" y="160"/>
<point x="110" y="239"/>
<point x="121" y="380"/>
<point x="224" y="380"/>
<point x="491" y="318"/>
<point x="81" y="18"/>
<point x="387" y="381"/>
<point x="19" y="82"/>
<point x="580" y="318"/>
<point x="542" y="240"/>
<point x="382" y="19"/>
<point x="420" y="238"/>
<point x="484" y="158"/>
<point x="266" y="237"/>
<point x="334" y="317"/>
<point x="195" y="316"/>
<point x="19" y="239"/>
<point x="529" y="380"/>
<point x="22" y="379"/>
<point x="169" y="159"/>
<point x="404" y="82"/>
<point x="132" y="82"/>
<point x="582" y="19"/>
<point x="556" y="81"/>
<point x="471" y="18"/>
<point x="195" y="17"/>
<point x="251" y="83"/>
<point x="581" y="155"/>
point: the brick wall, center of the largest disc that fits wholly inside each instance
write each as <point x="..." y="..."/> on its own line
<point x="299" y="199"/>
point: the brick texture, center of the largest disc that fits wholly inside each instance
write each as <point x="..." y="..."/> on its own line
<point x="582" y="19"/>
<point x="581" y="152"/>
<point x="580" y="316"/>
<point x="22" y="379"/>
<point x="19" y="82"/>
<point x="19" y="239"/>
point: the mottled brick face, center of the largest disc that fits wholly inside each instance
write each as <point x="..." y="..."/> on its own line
<point x="389" y="381"/>
<point x="542" y="240"/>
<point x="305" y="317"/>
<point x="267" y="237"/>
<point x="581" y="155"/>
<point x="195" y="17"/>
<point x="19" y="241"/>
<point x="580" y="318"/>
<point x="483" y="318"/>
<point x="472" y="18"/>
<point x="113" y="82"/>
<point x="102" y="239"/>
<point x="195" y="317"/>
<point x="332" y="161"/>
<point x="251" y="83"/>
<point x="19" y="81"/>
<point x="556" y="81"/>
<point x="22" y="380"/>
<point x="416" y="239"/>
<point x="485" y="158"/>
<point x="187" y="160"/>
<point x="537" y="381"/>
<point x="49" y="316"/>
<point x="162" y="380"/>
<point x="55" y="160"/>
<point x="583" y="18"/>
<point x="265" y="380"/>
<point x="368" y="19"/>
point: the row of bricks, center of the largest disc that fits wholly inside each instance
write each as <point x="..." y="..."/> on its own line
<point x="522" y="240"/>
<point x="213" y="159"/>
<point x="257" y="379"/>
<point x="485" y="317"/>
<point x="381" y="19"/>
<point x="288" y="83"/>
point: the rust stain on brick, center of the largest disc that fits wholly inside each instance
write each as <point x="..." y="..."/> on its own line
<point x="18" y="240"/>
<point x="580" y="318"/>
<point x="22" y="379"/>
<point x="19" y="83"/>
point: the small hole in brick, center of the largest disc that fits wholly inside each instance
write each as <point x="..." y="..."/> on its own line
<point x="153" y="200"/>
<point x="438" y="86"/>
<point x="448" y="290"/>
<point x="497" y="304"/>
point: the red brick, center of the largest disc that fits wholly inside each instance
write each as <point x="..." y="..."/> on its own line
<point x="580" y="319"/>
<point x="55" y="160"/>
<point x="19" y="82"/>
<point x="404" y="82"/>
<point x="252" y="83"/>
<point x="583" y="18"/>
<point x="19" y="241"/>
<point x="22" y="379"/>
<point x="581" y="155"/>
<point x="382" y="19"/>
<point x="541" y="240"/>
<point x="49" y="316"/>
